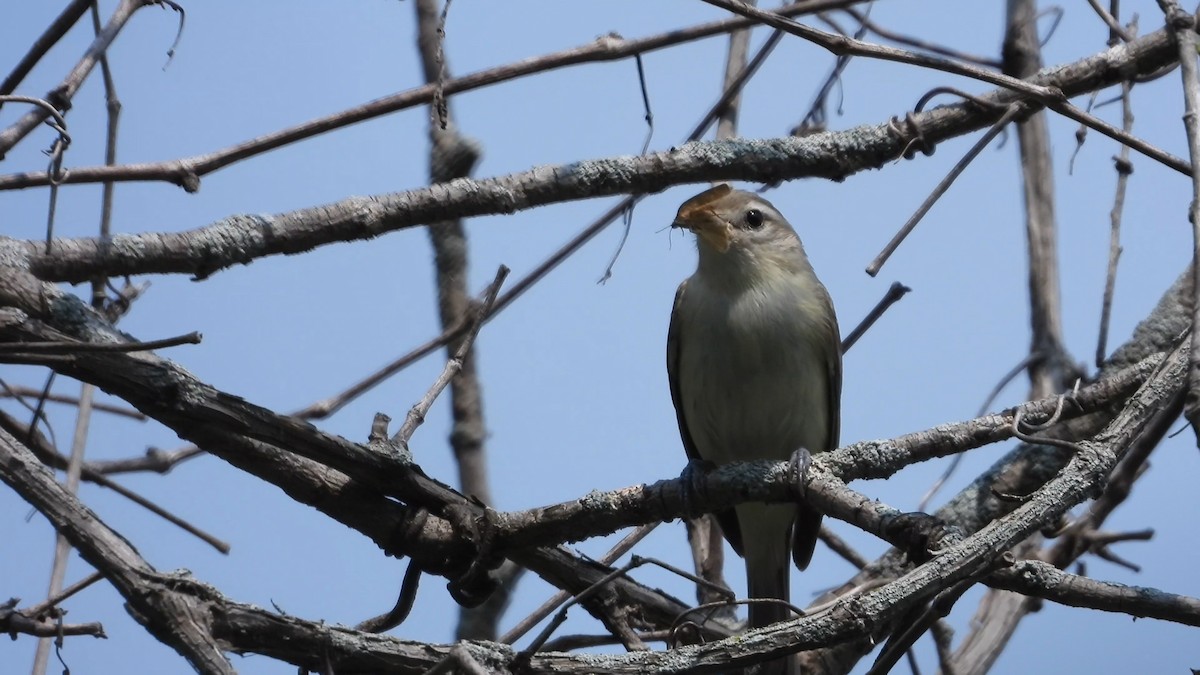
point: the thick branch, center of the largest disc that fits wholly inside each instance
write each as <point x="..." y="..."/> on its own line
<point x="1024" y="469"/>
<point x="244" y="238"/>
<point x="213" y="419"/>
<point x="1050" y="366"/>
<point x="1183" y="26"/>
<point x="154" y="605"/>
<point x="1022" y="58"/>
<point x="250" y="438"/>
<point x="186" y="172"/>
<point x="451" y="156"/>
<point x="177" y="398"/>
<point x="1043" y="580"/>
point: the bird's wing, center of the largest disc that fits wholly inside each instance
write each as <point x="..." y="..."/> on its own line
<point x="833" y="368"/>
<point x="673" y="347"/>
<point x="726" y="519"/>
<point x="808" y="520"/>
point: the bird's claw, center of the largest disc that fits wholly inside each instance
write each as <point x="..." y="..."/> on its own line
<point x="921" y="536"/>
<point x="693" y="484"/>
<point x="798" y="466"/>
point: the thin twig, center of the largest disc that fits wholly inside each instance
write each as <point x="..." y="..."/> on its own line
<point x="842" y="548"/>
<point x="50" y="37"/>
<point x="104" y="481"/>
<point x="18" y="391"/>
<point x="894" y="293"/>
<point x="60" y="121"/>
<point x="1124" y="168"/>
<point x="865" y="21"/>
<point x="62" y="547"/>
<point x="155" y="460"/>
<point x="649" y="114"/>
<point x="568" y="643"/>
<point x="416" y="415"/>
<point x="903" y="641"/>
<point x="1119" y="486"/>
<point x="627" y="216"/>
<point x="48" y="455"/>
<point x="1050" y="97"/>
<point x="68" y="347"/>
<point x="15" y="622"/>
<point x="987" y="405"/>
<point x="55" y="600"/>
<point x="39" y="412"/>
<point x="1017" y="433"/>
<point x="1038" y="579"/>
<point x="87" y="391"/>
<point x="1009" y="114"/>
<point x="1149" y="150"/>
<point x="113" y="114"/>
<point x="329" y="406"/>
<point x="539" y="642"/>
<point x="1114" y="26"/>
<point x="735" y="65"/>
<point x="178" y="31"/>
<point x="60" y="96"/>
<point x="815" y="119"/>
<point x="842" y="45"/>
<point x="622" y="547"/>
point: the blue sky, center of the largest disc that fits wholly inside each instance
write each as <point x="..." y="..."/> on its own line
<point x="573" y="373"/>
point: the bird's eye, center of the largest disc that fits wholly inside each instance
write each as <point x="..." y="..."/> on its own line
<point x="754" y="218"/>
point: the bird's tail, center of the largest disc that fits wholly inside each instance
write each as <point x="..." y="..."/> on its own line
<point x="768" y="569"/>
<point x="768" y="582"/>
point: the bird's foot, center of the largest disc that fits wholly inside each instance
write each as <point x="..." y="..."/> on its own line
<point x="798" y="466"/>
<point x="921" y="536"/>
<point x="693" y="485"/>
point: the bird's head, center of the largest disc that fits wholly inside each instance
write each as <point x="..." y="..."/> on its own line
<point x="736" y="229"/>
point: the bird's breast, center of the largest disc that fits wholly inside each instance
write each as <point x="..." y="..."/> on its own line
<point x="753" y="373"/>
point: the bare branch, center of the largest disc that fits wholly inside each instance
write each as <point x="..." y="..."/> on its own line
<point x="1182" y="25"/>
<point x="61" y="95"/>
<point x="16" y="622"/>
<point x="186" y="172"/>
<point x="156" y="606"/>
<point x="1022" y="59"/>
<point x="417" y="414"/>
<point x="1124" y="168"/>
<point x="46" y="452"/>
<point x="20" y="391"/>
<point x="1043" y="580"/>
<point x="67" y="347"/>
<point x="240" y="239"/>
<point x="50" y="37"/>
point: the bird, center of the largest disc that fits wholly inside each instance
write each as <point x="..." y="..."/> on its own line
<point x="755" y="372"/>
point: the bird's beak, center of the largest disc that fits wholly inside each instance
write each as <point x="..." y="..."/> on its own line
<point x="697" y="215"/>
